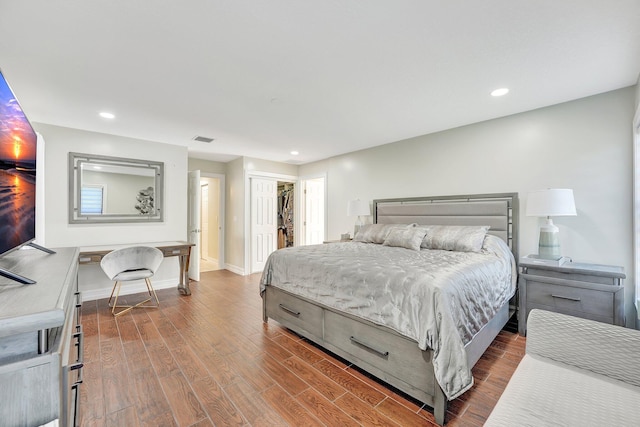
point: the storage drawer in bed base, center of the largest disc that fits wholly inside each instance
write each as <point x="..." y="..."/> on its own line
<point x="361" y="343"/>
<point x="294" y="313"/>
<point x="396" y="356"/>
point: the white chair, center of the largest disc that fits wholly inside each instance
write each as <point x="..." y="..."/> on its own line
<point x="133" y="263"/>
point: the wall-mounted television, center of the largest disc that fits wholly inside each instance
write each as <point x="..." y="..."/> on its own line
<point x="18" y="143"/>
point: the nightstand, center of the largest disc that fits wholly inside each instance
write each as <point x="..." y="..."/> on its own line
<point x="590" y="291"/>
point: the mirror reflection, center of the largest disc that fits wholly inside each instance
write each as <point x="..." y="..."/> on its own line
<point x="114" y="189"/>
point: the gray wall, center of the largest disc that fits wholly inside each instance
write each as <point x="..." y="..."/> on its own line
<point x="585" y="145"/>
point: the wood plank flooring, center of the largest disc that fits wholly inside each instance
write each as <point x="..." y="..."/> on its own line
<point x="208" y="359"/>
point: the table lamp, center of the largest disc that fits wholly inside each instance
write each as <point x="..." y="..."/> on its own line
<point x="357" y="207"/>
<point x="548" y="203"/>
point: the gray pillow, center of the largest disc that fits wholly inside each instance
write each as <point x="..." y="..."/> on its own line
<point x="410" y="237"/>
<point x="375" y="233"/>
<point x="461" y="238"/>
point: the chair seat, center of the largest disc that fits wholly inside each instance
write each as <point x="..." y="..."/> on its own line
<point x="137" y="274"/>
<point x="131" y="263"/>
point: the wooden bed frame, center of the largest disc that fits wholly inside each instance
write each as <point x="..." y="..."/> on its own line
<point x="379" y="350"/>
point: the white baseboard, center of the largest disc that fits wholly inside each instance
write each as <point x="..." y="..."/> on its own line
<point x="234" y="269"/>
<point x="127" y="289"/>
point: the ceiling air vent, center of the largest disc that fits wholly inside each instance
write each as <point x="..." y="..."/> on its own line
<point x="202" y="139"/>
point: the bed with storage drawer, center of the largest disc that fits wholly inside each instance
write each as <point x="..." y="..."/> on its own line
<point x="414" y="300"/>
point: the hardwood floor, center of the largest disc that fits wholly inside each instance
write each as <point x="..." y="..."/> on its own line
<point x="208" y="359"/>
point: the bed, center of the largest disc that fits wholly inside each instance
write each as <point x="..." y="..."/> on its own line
<point x="399" y="311"/>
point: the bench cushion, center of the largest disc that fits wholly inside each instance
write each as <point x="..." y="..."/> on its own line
<point x="543" y="392"/>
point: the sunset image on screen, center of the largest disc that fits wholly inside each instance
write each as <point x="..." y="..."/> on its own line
<point x="17" y="173"/>
<point x="17" y="139"/>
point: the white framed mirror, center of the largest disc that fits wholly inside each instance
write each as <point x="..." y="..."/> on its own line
<point x="105" y="189"/>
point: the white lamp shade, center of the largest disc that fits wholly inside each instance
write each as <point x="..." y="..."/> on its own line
<point x="551" y="202"/>
<point x="357" y="207"/>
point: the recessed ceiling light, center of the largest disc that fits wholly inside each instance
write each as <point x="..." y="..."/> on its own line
<point x="106" y="115"/>
<point x="500" y="92"/>
<point x="294" y="153"/>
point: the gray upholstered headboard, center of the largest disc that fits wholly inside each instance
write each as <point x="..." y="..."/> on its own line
<point x="500" y="211"/>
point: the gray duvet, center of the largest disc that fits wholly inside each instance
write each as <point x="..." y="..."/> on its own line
<point x="441" y="299"/>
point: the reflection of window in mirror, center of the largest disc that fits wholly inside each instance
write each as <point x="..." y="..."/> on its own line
<point x="92" y="200"/>
<point x="114" y="189"/>
<point x="123" y="185"/>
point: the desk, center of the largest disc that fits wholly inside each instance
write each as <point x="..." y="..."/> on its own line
<point x="94" y="254"/>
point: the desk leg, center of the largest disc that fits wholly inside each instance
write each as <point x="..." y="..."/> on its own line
<point x="183" y="286"/>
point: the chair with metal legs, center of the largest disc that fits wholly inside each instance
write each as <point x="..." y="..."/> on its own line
<point x="127" y="264"/>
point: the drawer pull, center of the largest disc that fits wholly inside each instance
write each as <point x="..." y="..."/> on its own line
<point x="289" y="310"/>
<point x="76" y="403"/>
<point x="380" y="353"/>
<point x="79" y="336"/>
<point x="78" y="309"/>
<point x="564" y="297"/>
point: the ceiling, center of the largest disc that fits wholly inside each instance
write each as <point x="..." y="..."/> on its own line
<point x="321" y="77"/>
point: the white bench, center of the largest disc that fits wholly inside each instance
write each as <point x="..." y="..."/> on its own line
<point x="576" y="372"/>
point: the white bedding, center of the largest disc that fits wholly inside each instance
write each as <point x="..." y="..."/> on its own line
<point x="439" y="298"/>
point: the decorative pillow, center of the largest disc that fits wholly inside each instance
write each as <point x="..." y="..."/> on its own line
<point x="375" y="233"/>
<point x="409" y="237"/>
<point x="459" y="238"/>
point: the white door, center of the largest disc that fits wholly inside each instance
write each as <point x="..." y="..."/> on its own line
<point x="204" y="221"/>
<point x="314" y="211"/>
<point x="193" y="224"/>
<point x="264" y="193"/>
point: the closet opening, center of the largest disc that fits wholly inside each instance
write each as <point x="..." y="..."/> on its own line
<point x="285" y="225"/>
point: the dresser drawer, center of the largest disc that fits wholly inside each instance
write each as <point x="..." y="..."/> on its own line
<point x="570" y="298"/>
<point x="384" y="350"/>
<point x="175" y="251"/>
<point x="289" y="310"/>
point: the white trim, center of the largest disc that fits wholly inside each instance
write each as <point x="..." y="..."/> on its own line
<point x="235" y="269"/>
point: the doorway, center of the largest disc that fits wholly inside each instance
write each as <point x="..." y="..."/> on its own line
<point x="286" y="211"/>
<point x="313" y="210"/>
<point x="272" y="217"/>
<point x="212" y="187"/>
<point x="209" y="224"/>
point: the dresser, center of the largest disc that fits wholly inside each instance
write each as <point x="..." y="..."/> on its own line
<point x="590" y="291"/>
<point x="40" y="339"/>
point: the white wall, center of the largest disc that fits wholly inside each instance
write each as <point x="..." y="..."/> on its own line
<point x="585" y="145"/>
<point x="59" y="233"/>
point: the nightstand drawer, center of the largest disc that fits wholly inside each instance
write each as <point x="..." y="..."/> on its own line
<point x="569" y="298"/>
<point x="590" y="291"/>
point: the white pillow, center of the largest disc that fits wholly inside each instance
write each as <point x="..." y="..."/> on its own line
<point x="409" y="238"/>
<point x="461" y="238"/>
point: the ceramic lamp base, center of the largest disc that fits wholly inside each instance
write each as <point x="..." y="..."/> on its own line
<point x="549" y="243"/>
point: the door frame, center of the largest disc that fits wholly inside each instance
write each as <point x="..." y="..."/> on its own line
<point x="247" y="209"/>
<point x="221" y="214"/>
